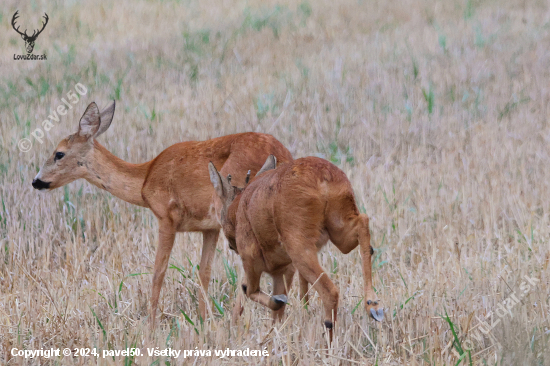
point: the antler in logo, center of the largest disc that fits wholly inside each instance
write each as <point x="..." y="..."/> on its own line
<point x="29" y="40"/>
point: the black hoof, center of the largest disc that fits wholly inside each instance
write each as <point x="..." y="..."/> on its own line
<point x="244" y="288"/>
<point x="377" y="315"/>
<point x="280" y="299"/>
<point x="328" y="324"/>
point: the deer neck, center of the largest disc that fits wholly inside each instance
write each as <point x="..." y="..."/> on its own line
<point x="118" y="177"/>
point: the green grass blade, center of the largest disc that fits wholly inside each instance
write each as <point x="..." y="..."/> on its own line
<point x="456" y="342"/>
<point x="218" y="306"/>
<point x="188" y="319"/>
<point x="99" y="323"/>
<point x="357" y="306"/>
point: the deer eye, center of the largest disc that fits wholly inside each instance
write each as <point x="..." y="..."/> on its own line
<point x="59" y="155"/>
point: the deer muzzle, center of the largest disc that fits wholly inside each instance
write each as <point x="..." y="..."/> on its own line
<point x="38" y="184"/>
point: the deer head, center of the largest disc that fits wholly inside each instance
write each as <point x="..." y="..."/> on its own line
<point x="29" y="40"/>
<point x="225" y="192"/>
<point x="71" y="157"/>
<point x="227" y="197"/>
<point x="224" y="197"/>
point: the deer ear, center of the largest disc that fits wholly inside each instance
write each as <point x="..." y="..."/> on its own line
<point x="106" y="117"/>
<point x="90" y="122"/>
<point x="270" y="163"/>
<point x="216" y="179"/>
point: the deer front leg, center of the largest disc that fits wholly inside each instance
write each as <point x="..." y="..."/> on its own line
<point x="167" y="235"/>
<point x="209" y="241"/>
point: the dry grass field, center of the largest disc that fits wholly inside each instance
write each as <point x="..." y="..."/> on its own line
<point x="436" y="110"/>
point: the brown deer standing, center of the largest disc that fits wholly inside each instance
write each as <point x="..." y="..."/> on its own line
<point x="282" y="218"/>
<point x="174" y="185"/>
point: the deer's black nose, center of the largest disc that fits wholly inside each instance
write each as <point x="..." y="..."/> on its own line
<point x="38" y="184"/>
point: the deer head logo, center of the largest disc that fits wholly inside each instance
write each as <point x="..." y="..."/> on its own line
<point x="29" y="40"/>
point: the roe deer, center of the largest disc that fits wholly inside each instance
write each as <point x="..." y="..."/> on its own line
<point x="174" y="185"/>
<point x="281" y="219"/>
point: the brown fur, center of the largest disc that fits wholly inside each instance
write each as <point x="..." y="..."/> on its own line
<point x="282" y="219"/>
<point x="174" y="185"/>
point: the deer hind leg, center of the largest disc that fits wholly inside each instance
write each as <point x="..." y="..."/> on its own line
<point x="302" y="249"/>
<point x="209" y="242"/>
<point x="282" y="282"/>
<point x="312" y="271"/>
<point x="346" y="235"/>
<point x="252" y="289"/>
<point x="167" y="235"/>
<point x="372" y="304"/>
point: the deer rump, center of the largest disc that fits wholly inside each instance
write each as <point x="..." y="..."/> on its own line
<point x="295" y="203"/>
<point x="286" y="215"/>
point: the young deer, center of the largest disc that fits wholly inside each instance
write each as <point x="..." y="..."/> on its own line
<point x="282" y="218"/>
<point x="174" y="185"/>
